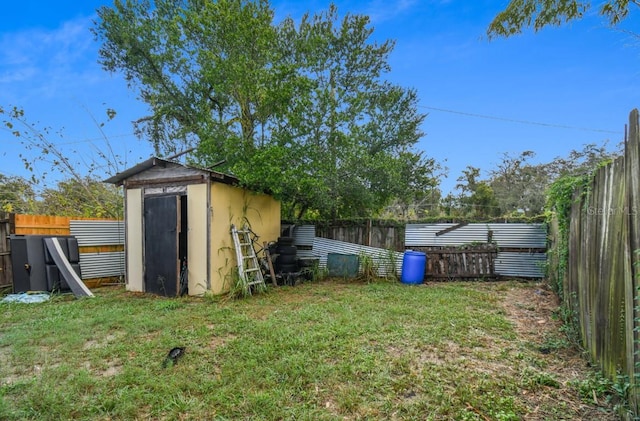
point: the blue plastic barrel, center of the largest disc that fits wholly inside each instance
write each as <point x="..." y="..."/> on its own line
<point x="413" y="267"/>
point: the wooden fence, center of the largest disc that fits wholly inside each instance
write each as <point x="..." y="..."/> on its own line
<point x="41" y="224"/>
<point x="7" y="227"/>
<point x="465" y="262"/>
<point x="601" y="280"/>
<point x="379" y="234"/>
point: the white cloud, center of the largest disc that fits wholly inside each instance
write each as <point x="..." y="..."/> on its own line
<point x="36" y="63"/>
<point x="381" y="10"/>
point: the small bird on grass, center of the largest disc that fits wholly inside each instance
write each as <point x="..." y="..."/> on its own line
<point x="173" y="355"/>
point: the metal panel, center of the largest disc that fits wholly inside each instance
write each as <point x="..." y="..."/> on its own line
<point x="303" y="237"/>
<point x="522" y="265"/>
<point x="424" y="235"/>
<point x="513" y="236"/>
<point x="505" y="235"/>
<point x="519" y="235"/>
<point x="97" y="233"/>
<point x="102" y="265"/>
<point x="384" y="260"/>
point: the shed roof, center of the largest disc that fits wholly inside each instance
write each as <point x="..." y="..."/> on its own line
<point x="120" y="177"/>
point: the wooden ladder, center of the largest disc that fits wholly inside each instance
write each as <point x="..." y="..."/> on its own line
<point x="248" y="265"/>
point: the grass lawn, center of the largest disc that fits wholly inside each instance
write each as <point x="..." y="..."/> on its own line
<point x="318" y="351"/>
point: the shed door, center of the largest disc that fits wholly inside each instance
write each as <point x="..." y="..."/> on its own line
<point x="161" y="231"/>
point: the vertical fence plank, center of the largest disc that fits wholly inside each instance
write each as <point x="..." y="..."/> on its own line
<point x="6" y="229"/>
<point x="632" y="173"/>
<point x="600" y="284"/>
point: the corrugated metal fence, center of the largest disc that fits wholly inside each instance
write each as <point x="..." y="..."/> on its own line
<point x="387" y="262"/>
<point x="521" y="247"/>
<point x="97" y="260"/>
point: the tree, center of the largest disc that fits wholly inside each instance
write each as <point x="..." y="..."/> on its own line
<point x="69" y="198"/>
<point x="17" y="195"/>
<point x="581" y="162"/>
<point x="477" y="198"/>
<point x="205" y="68"/>
<point x="520" y="14"/>
<point x="301" y="110"/>
<point x="519" y="187"/>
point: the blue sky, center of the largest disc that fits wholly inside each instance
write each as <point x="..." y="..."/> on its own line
<point x="549" y="92"/>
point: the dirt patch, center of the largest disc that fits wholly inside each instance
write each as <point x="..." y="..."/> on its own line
<point x="101" y="342"/>
<point x="533" y="312"/>
<point x="218" y="341"/>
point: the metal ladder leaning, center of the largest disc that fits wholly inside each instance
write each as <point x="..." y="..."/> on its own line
<point x="248" y="265"/>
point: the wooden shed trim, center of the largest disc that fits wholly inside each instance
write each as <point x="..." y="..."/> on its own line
<point x="191" y="179"/>
<point x="120" y="178"/>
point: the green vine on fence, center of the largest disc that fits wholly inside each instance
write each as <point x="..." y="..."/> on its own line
<point x="560" y="198"/>
<point x="561" y="195"/>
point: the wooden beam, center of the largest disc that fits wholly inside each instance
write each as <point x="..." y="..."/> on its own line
<point x="453" y="228"/>
<point x="191" y="179"/>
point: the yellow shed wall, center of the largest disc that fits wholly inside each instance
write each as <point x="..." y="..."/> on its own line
<point x="233" y="205"/>
<point x="197" y="238"/>
<point x="134" y="250"/>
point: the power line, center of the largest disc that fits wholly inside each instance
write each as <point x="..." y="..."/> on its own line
<point x="107" y="137"/>
<point x="511" y="120"/>
<point x="78" y="141"/>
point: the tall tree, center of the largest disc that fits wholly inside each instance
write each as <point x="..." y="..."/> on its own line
<point x="579" y="162"/>
<point x="521" y="14"/>
<point x="477" y="198"/>
<point x="301" y="109"/>
<point x="519" y="186"/>
<point x="207" y="69"/>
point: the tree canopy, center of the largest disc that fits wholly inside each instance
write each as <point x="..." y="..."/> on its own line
<point x="536" y="14"/>
<point x="299" y="108"/>
<point x="16" y="195"/>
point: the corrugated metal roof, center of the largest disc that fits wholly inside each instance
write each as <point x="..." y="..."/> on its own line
<point x="385" y="260"/>
<point x="97" y="233"/>
<point x="102" y="265"/>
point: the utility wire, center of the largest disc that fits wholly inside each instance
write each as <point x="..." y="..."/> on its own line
<point x="511" y="120"/>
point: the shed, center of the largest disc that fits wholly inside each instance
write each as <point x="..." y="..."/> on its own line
<point x="178" y="220"/>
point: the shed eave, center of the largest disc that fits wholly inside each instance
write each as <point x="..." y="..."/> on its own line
<point x="120" y="177"/>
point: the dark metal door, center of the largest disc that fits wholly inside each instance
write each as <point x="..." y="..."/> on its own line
<point x="161" y="262"/>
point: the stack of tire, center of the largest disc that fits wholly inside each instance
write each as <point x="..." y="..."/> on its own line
<point x="287" y="260"/>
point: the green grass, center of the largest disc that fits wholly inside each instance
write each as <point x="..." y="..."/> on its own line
<point x="317" y="351"/>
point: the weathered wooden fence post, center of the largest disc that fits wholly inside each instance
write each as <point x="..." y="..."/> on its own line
<point x="7" y="227"/>
<point x="601" y="281"/>
<point x="632" y="179"/>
